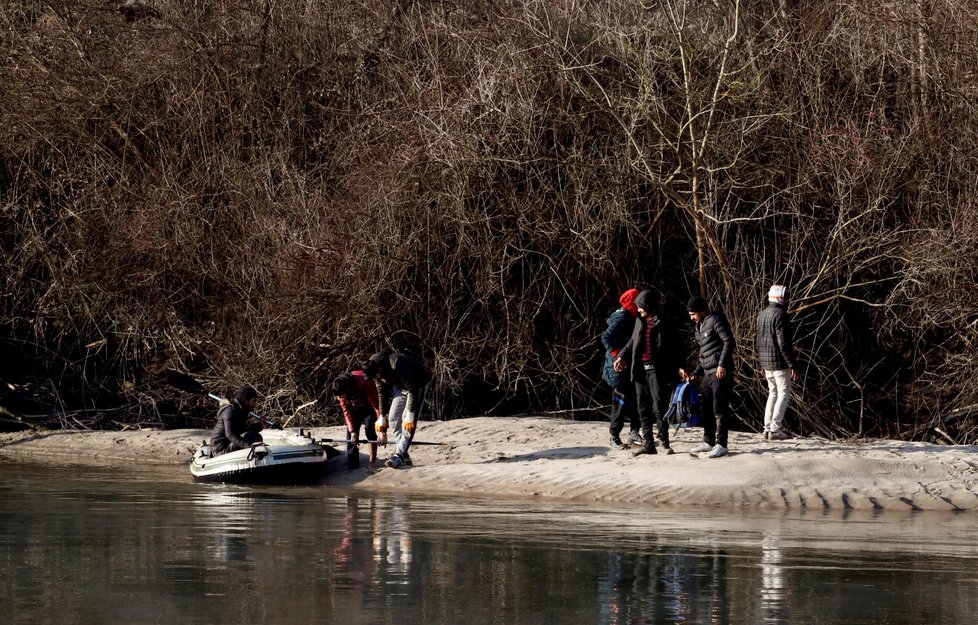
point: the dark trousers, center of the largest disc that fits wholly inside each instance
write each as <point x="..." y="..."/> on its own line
<point x="366" y="417"/>
<point x="715" y="408"/>
<point x="622" y="408"/>
<point x="652" y="404"/>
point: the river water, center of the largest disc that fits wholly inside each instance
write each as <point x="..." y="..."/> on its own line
<point x="98" y="546"/>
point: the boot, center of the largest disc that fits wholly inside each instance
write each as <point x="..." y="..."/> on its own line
<point x="647" y="448"/>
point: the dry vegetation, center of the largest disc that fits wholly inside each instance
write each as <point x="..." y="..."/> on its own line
<point x="263" y="191"/>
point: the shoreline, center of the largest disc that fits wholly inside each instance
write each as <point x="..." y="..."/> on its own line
<point x="551" y="459"/>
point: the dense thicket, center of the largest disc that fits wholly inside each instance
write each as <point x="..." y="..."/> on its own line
<point x="266" y="192"/>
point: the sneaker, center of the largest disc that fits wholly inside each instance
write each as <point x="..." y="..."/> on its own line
<point x="406" y="461"/>
<point x="668" y="450"/>
<point x="615" y="443"/>
<point x="701" y="448"/>
<point x="780" y="435"/>
<point x="767" y="435"/>
<point x="634" y="437"/>
<point x="394" y="462"/>
<point x="718" y="451"/>
<point x="645" y="449"/>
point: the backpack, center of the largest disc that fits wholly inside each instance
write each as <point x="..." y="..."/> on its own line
<point x="684" y="408"/>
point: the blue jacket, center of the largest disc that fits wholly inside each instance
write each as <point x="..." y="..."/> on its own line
<point x="619" y="330"/>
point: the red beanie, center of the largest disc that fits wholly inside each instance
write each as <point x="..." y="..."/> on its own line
<point x="627" y="300"/>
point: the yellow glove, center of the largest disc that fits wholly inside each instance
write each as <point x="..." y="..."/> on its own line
<point x="409" y="426"/>
<point x="380" y="425"/>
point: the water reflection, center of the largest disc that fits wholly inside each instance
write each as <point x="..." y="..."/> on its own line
<point x="110" y="550"/>
<point x="773" y="587"/>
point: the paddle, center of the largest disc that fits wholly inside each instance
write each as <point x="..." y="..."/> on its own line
<point x="364" y="442"/>
<point x="186" y="383"/>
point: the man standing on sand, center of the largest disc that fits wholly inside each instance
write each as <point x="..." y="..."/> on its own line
<point x="776" y="354"/>
<point x="717" y="344"/>
<point x="619" y="330"/>
<point x="401" y="381"/>
<point x="649" y="357"/>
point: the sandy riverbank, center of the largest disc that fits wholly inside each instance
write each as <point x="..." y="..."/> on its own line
<point x="548" y="458"/>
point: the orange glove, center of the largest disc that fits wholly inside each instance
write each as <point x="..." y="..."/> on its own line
<point x="409" y="426"/>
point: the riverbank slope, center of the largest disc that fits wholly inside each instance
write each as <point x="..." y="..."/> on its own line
<point x="550" y="458"/>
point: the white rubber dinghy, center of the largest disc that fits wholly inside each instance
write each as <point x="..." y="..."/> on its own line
<point x="284" y="457"/>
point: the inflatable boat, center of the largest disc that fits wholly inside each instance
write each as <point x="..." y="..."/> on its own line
<point x="283" y="457"/>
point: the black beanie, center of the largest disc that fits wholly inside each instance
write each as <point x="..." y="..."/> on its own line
<point x="697" y="304"/>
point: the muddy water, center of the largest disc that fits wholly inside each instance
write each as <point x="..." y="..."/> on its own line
<point x="81" y="545"/>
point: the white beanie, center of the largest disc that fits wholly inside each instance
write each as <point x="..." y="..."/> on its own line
<point x="777" y="293"/>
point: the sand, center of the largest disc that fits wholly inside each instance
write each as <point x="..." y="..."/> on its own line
<point x="565" y="460"/>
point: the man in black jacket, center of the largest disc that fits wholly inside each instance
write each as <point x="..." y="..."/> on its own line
<point x="650" y="358"/>
<point x="717" y="344"/>
<point x="776" y="355"/>
<point x="401" y="382"/>
<point x="232" y="432"/>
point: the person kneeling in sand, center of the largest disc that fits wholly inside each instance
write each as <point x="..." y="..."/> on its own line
<point x="401" y="381"/>
<point x="232" y="431"/>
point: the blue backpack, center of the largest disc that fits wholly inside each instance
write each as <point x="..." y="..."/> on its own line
<point x="684" y="409"/>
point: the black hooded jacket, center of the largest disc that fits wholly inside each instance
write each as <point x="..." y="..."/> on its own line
<point x="232" y="422"/>
<point x="662" y="343"/>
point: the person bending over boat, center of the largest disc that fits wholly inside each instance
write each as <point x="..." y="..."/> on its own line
<point x="358" y="399"/>
<point x="232" y="431"/>
<point x="401" y="381"/>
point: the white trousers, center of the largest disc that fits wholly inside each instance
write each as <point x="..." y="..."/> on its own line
<point x="778" y="394"/>
<point x="395" y="422"/>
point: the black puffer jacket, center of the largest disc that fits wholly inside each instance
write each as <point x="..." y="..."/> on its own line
<point x="716" y="343"/>
<point x="775" y="349"/>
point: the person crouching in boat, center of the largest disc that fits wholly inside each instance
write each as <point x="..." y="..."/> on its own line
<point x="232" y="431"/>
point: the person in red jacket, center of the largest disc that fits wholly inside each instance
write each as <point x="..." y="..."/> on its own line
<point x="359" y="402"/>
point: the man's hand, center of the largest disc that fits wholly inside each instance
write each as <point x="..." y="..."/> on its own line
<point x="409" y="427"/>
<point x="795" y="375"/>
<point x="382" y="439"/>
<point x="686" y="377"/>
<point x="620" y="365"/>
<point x="721" y="373"/>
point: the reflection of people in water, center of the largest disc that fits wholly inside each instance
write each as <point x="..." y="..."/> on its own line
<point x="232" y="431"/>
<point x="650" y="587"/>
<point x="375" y="546"/>
<point x="353" y="556"/>
<point x="773" y="585"/>
<point x="393" y="541"/>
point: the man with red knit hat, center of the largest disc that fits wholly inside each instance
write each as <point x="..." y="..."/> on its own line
<point x="619" y="330"/>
